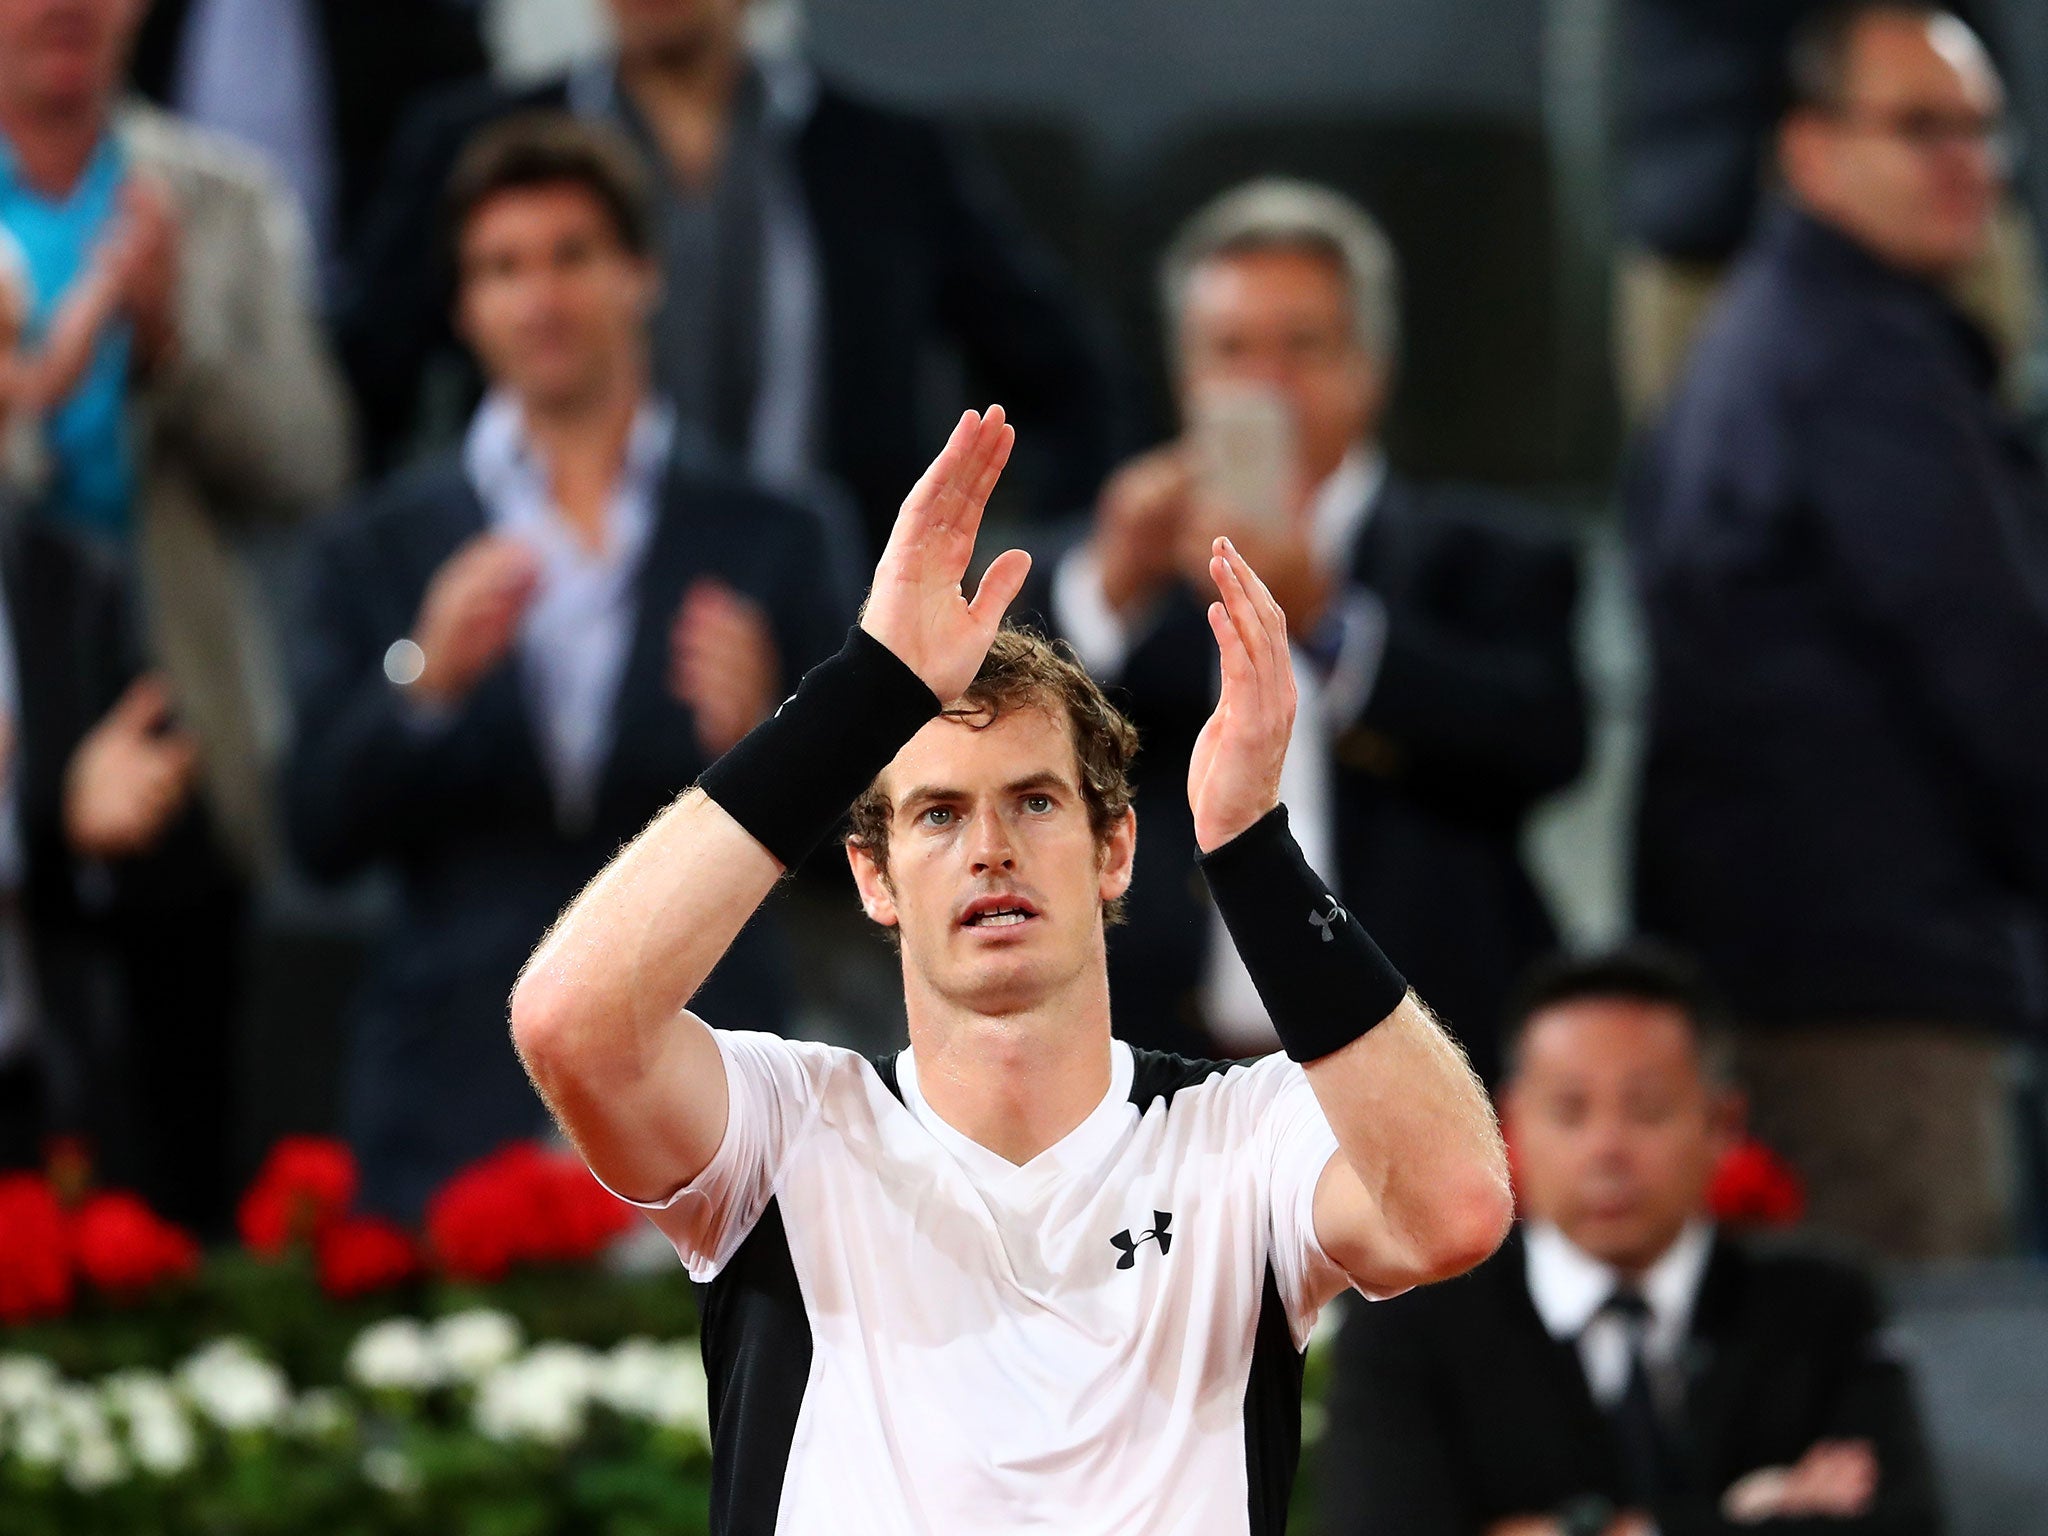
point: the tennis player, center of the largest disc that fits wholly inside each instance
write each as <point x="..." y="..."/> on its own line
<point x="1017" y="1277"/>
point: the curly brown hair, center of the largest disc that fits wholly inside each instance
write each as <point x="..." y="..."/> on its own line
<point x="1024" y="670"/>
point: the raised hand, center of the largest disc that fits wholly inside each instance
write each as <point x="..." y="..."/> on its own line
<point x="1234" y="775"/>
<point x="723" y="664"/>
<point x="471" y="614"/>
<point x="130" y="776"/>
<point x="916" y="607"/>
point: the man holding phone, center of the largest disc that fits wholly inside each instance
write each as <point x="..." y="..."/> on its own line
<point x="1433" y="649"/>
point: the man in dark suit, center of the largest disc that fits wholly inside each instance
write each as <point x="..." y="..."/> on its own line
<point x="1620" y="1367"/>
<point x="1433" y="630"/>
<point x="1841" y="541"/>
<point x="818" y="250"/>
<point x="515" y="656"/>
<point x="320" y="85"/>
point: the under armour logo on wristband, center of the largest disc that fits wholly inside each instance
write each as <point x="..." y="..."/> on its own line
<point x="1327" y="923"/>
<point x="1128" y="1246"/>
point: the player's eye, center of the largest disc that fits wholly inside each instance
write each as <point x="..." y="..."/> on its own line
<point x="1038" y="805"/>
<point x="936" y="816"/>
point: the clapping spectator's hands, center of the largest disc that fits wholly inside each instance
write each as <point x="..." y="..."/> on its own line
<point x="471" y="615"/>
<point x="1140" y="519"/>
<point x="130" y="776"/>
<point x="1837" y="1479"/>
<point x="144" y="254"/>
<point x="723" y="664"/>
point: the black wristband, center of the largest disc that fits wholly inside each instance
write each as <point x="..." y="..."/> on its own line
<point x="1323" y="980"/>
<point x="791" y="778"/>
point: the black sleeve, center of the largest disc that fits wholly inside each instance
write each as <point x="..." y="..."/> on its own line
<point x="364" y="776"/>
<point x="1388" y="1458"/>
<point x="1025" y="333"/>
<point x="1498" y="702"/>
<point x="1873" y="1400"/>
<point x="1941" y="543"/>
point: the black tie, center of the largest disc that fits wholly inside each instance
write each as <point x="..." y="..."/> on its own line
<point x="1638" y="1432"/>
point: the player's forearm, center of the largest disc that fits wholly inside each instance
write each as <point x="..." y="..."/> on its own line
<point x="1415" y="1128"/>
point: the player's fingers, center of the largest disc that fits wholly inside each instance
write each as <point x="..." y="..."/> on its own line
<point x="1271" y="616"/>
<point x="1239" y="677"/>
<point x="1237" y="601"/>
<point x="1000" y="438"/>
<point x="921" y="506"/>
<point x="1000" y="584"/>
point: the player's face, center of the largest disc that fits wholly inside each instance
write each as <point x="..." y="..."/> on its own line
<point x="552" y="301"/>
<point x="996" y="880"/>
<point x="1616" y="1128"/>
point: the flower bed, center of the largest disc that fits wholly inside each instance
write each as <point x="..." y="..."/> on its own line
<point x="341" y="1376"/>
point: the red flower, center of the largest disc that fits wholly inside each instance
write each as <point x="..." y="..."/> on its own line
<point x="361" y="1254"/>
<point x="35" y="1259"/>
<point x="125" y="1248"/>
<point x="1754" y="1187"/>
<point x="522" y="1204"/>
<point x="305" y="1184"/>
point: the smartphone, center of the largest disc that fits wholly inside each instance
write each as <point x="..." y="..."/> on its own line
<point x="1244" y="453"/>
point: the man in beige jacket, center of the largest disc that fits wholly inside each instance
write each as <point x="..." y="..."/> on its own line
<point x="234" y="413"/>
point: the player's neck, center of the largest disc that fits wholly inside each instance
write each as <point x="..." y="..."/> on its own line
<point x="1016" y="1083"/>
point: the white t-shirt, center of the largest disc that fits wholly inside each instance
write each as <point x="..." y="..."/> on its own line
<point x="907" y="1335"/>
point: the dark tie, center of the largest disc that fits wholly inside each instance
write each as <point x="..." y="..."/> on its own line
<point x="1638" y="1432"/>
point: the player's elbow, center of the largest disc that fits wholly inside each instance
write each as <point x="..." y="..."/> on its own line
<point x="545" y="1025"/>
<point x="1468" y="1222"/>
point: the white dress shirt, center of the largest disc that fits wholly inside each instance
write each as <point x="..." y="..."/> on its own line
<point x="1328" y="702"/>
<point x="576" y="635"/>
<point x="1569" y="1287"/>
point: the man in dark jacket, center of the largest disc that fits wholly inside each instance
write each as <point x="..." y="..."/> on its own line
<point x="1621" y="1367"/>
<point x="1841" y="542"/>
<point x="1432" y="627"/>
<point x="817" y="250"/>
<point x="511" y="659"/>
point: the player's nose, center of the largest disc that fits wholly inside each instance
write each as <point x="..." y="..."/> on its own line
<point x="989" y="844"/>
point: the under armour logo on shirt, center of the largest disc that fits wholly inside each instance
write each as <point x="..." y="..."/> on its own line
<point x="1127" y="1246"/>
<point x="1327" y="922"/>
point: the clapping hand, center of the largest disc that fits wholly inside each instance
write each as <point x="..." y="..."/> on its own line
<point x="916" y="607"/>
<point x="1234" y="775"/>
<point x="129" y="777"/>
<point x="723" y="664"/>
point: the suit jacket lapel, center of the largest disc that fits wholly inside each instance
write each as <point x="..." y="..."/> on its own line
<point x="1718" y="1361"/>
<point x="1565" y="1377"/>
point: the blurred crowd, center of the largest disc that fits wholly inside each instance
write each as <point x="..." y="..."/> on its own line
<point x="581" y="407"/>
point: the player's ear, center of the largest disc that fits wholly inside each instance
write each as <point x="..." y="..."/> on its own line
<point x="1119" y="855"/>
<point x="876" y="899"/>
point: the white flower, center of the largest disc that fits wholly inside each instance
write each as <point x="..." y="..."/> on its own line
<point x="385" y="1467"/>
<point x="661" y="1383"/>
<point x="540" y="1397"/>
<point x="322" y="1414"/>
<point x="470" y="1344"/>
<point x="234" y="1386"/>
<point x="94" y="1462"/>
<point x="25" y="1381"/>
<point x="160" y="1434"/>
<point x="394" y="1355"/>
<point x="39" y="1439"/>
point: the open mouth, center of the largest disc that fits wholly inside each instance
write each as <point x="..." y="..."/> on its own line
<point x="993" y="912"/>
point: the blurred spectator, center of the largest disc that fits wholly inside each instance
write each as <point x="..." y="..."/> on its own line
<point x="816" y="251"/>
<point x="1620" y="1368"/>
<point x="1842" y="546"/>
<point x="1703" y="88"/>
<point x="514" y="656"/>
<point x="105" y="878"/>
<point x="1433" y="649"/>
<point x="208" y="400"/>
<point x="319" y="85"/>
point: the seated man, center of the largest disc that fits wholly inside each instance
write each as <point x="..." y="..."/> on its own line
<point x="1432" y="628"/>
<point x="1620" y="1368"/>
<point x="1841" y="541"/>
<point x="1018" y="1276"/>
<point x="511" y="658"/>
